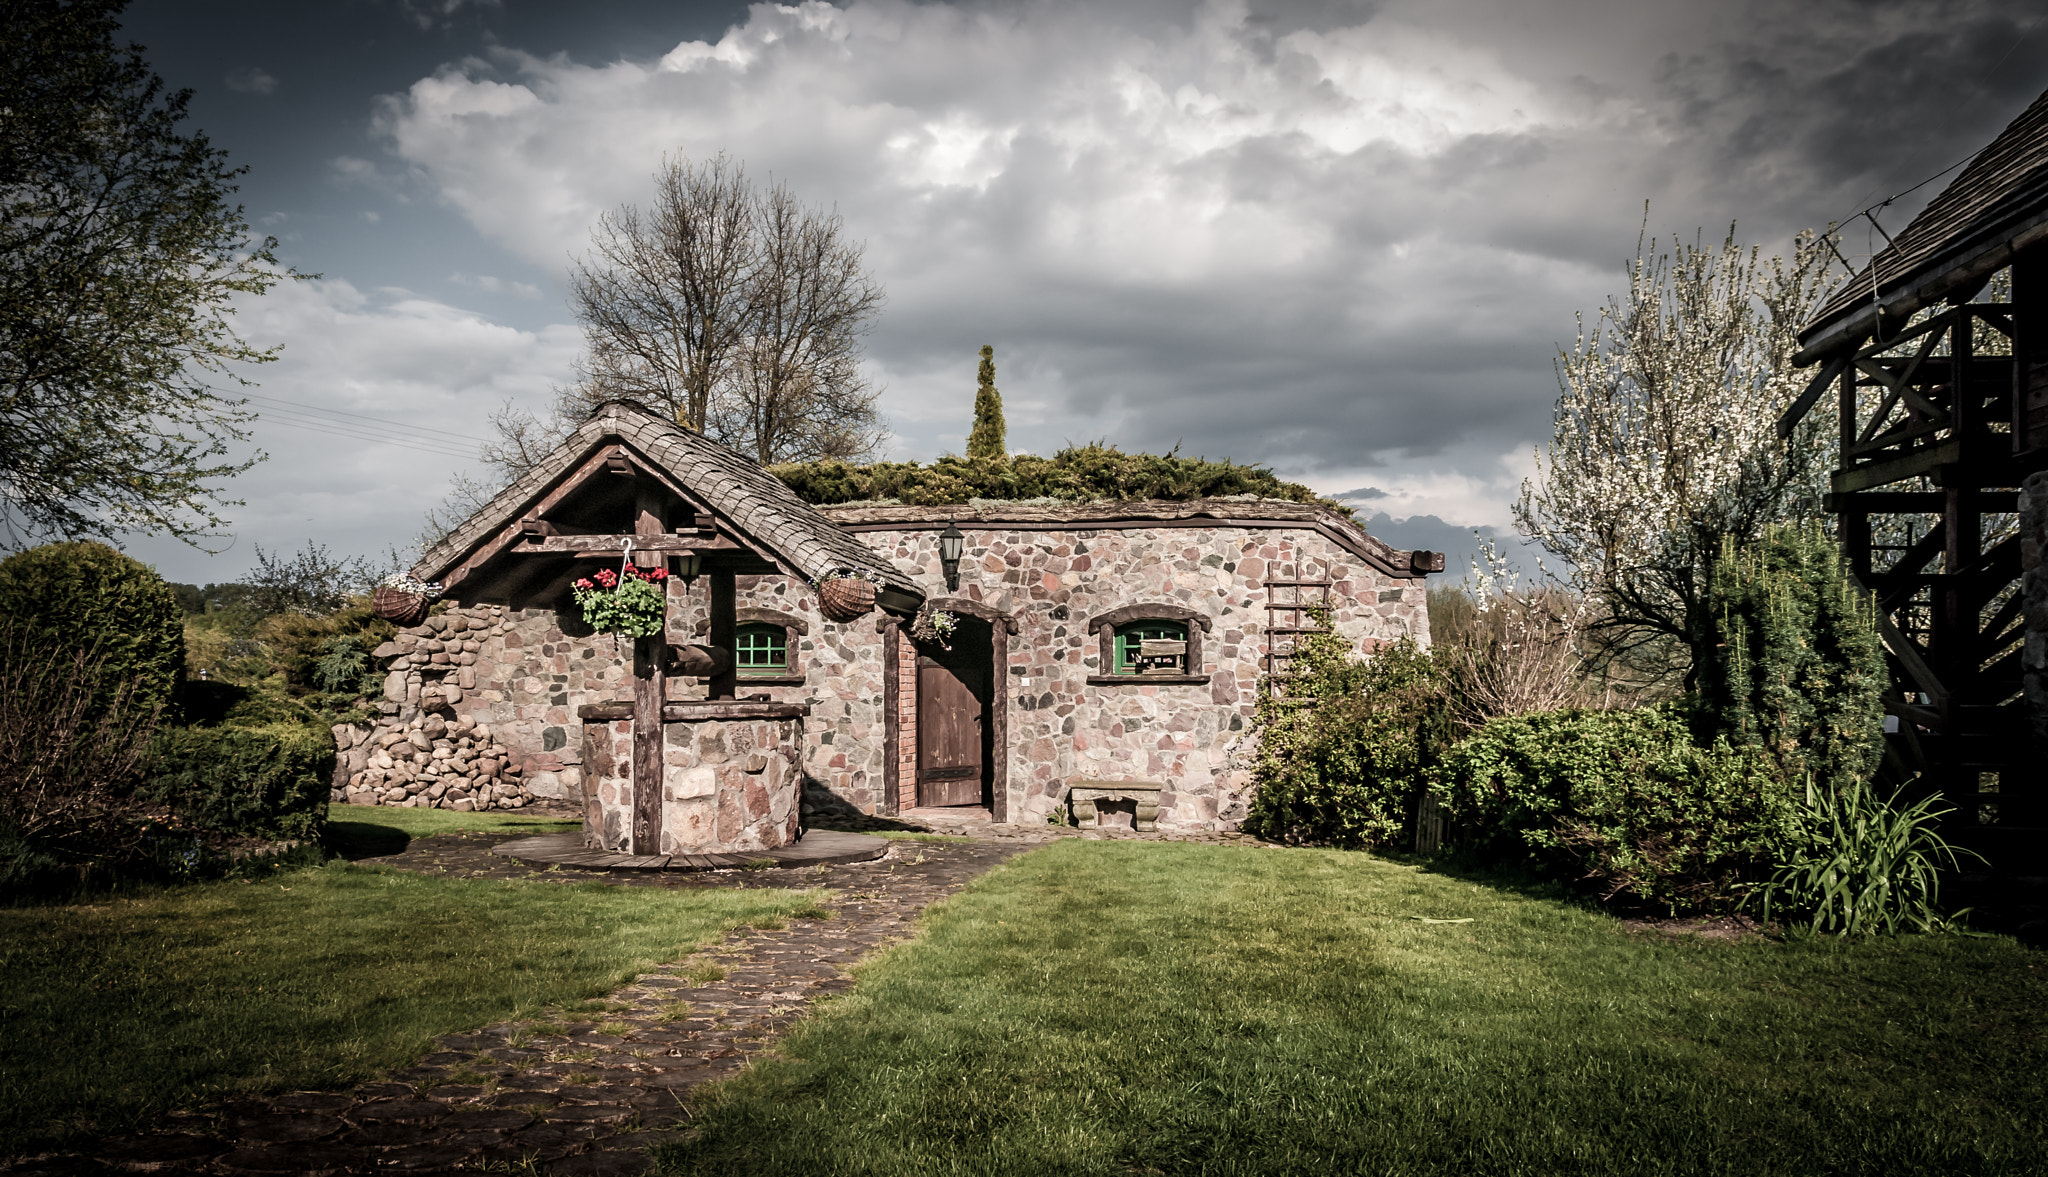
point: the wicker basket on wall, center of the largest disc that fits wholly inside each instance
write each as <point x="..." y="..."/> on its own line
<point x="395" y="604"/>
<point x="845" y="598"/>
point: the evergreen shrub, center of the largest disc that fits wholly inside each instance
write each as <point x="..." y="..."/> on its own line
<point x="1077" y="473"/>
<point x="1626" y="802"/>
<point x="1795" y="668"/>
<point x="266" y="781"/>
<point x="88" y="597"/>
<point x="1344" y="744"/>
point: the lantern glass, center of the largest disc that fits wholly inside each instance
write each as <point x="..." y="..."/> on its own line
<point x="951" y="541"/>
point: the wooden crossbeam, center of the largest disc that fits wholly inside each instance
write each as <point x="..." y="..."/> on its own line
<point x="615" y="545"/>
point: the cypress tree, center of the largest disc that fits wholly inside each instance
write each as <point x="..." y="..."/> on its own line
<point x="1796" y="668"/>
<point x="986" y="439"/>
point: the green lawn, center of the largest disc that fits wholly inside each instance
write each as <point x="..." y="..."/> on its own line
<point x="1117" y="1008"/>
<point x="112" y="1011"/>
<point x="369" y="831"/>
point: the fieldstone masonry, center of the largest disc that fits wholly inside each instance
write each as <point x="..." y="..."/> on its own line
<point x="727" y="786"/>
<point x="519" y="677"/>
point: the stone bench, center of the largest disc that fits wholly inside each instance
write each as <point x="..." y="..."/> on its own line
<point x="1103" y="803"/>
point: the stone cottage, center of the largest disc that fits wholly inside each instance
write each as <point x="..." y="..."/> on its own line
<point x="1098" y="660"/>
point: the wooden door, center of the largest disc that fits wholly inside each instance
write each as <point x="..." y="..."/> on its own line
<point x="948" y="736"/>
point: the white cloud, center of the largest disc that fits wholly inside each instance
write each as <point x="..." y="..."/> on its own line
<point x="399" y="387"/>
<point x="251" y="80"/>
<point x="491" y="285"/>
<point x="1343" y="241"/>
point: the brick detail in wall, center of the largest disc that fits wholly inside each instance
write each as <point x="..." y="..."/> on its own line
<point x="906" y="720"/>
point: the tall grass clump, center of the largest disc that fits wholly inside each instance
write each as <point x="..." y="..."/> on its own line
<point x="1861" y="864"/>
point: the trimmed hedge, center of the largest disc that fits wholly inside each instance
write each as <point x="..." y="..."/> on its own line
<point x="268" y="781"/>
<point x="1624" y="801"/>
<point x="89" y="596"/>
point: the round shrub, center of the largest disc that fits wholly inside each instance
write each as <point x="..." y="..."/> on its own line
<point x="1623" y="801"/>
<point x="87" y="596"/>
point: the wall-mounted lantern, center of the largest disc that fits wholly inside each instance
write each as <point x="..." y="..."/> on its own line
<point x="688" y="565"/>
<point x="951" y="541"/>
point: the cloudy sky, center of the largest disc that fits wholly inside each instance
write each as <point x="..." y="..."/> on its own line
<point x="1342" y="239"/>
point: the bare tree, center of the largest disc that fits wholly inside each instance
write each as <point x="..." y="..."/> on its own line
<point x="797" y="392"/>
<point x="1665" y="436"/>
<point x="663" y="295"/>
<point x="736" y="311"/>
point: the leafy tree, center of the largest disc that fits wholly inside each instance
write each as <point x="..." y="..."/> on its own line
<point x="1665" y="442"/>
<point x="735" y="310"/>
<point x="119" y="257"/>
<point x="312" y="583"/>
<point x="986" y="439"/>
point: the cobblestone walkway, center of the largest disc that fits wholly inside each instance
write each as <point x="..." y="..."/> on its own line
<point x="589" y="1092"/>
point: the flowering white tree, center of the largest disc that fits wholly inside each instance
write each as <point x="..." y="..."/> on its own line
<point x="1665" y="435"/>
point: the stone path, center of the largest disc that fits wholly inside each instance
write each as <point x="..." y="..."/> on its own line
<point x="589" y="1092"/>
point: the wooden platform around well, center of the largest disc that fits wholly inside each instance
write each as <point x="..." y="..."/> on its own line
<point x="818" y="848"/>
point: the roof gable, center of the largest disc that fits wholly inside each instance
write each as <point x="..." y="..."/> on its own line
<point x="1997" y="206"/>
<point x="737" y="513"/>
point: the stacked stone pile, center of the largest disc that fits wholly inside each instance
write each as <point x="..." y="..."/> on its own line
<point x="434" y="762"/>
<point x="420" y="753"/>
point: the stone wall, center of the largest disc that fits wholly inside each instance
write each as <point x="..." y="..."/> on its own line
<point x="728" y="786"/>
<point x="1190" y="737"/>
<point x="516" y="677"/>
<point x="523" y="677"/>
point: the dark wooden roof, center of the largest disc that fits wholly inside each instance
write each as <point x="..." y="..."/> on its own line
<point x="765" y="513"/>
<point x="1996" y="207"/>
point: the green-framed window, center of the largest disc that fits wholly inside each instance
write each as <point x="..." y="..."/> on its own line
<point x="760" y="650"/>
<point x="1130" y="647"/>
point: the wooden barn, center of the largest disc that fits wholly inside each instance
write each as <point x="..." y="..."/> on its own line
<point x="1935" y="360"/>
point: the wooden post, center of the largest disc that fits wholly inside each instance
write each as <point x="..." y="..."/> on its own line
<point x="999" y="719"/>
<point x="650" y="691"/>
<point x="724" y="632"/>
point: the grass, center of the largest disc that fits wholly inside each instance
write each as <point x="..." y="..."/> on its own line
<point x="115" y="1011"/>
<point x="1117" y="1008"/>
<point x="372" y="831"/>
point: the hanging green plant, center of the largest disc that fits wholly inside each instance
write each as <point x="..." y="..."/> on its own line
<point x="631" y="603"/>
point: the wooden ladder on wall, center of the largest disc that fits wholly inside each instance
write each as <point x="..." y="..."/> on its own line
<point x="1287" y="617"/>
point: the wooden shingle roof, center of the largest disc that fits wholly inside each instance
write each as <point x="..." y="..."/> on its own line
<point x="1996" y="207"/>
<point x="756" y="503"/>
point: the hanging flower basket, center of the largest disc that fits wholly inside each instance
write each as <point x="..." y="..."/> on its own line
<point x="402" y="598"/>
<point x="934" y="627"/>
<point x="846" y="594"/>
<point x="632" y="602"/>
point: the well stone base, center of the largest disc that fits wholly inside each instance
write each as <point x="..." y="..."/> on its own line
<point x="728" y="786"/>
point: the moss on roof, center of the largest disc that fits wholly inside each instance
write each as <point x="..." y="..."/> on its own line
<point x="1076" y="474"/>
